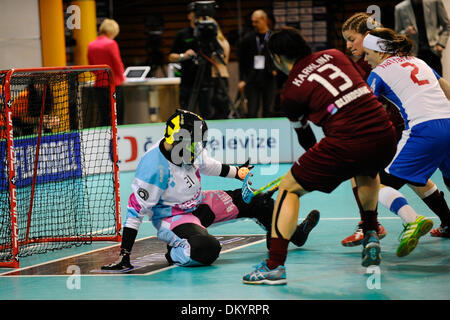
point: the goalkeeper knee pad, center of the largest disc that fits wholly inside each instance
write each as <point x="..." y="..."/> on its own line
<point x="205" y="249"/>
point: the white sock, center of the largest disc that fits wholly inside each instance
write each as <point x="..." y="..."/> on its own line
<point x="394" y="201"/>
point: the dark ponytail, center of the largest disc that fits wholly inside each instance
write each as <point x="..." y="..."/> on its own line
<point x="289" y="42"/>
<point x="397" y="44"/>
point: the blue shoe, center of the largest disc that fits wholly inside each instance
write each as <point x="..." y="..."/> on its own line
<point x="371" y="254"/>
<point x="263" y="275"/>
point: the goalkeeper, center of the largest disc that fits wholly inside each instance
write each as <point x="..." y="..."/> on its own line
<point x="167" y="189"/>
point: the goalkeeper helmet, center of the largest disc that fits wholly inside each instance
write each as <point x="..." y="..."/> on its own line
<point x="187" y="132"/>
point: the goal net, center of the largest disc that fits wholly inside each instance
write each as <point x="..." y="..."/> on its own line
<point x="59" y="182"/>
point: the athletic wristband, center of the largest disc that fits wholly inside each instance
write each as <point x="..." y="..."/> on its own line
<point x="233" y="172"/>
<point x="228" y="171"/>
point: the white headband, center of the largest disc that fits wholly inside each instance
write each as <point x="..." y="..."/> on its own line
<point x="375" y="43"/>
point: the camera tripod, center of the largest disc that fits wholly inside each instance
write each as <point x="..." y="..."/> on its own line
<point x="203" y="63"/>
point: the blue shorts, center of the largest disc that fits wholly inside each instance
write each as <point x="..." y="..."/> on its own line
<point x="421" y="151"/>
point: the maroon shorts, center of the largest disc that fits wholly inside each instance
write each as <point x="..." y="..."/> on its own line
<point x="332" y="161"/>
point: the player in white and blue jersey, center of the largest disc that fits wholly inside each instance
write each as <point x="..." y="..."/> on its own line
<point x="422" y="98"/>
<point x="167" y="190"/>
<point x="354" y="31"/>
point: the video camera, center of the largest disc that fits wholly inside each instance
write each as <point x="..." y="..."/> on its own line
<point x="205" y="30"/>
<point x="205" y="33"/>
<point x="204" y="8"/>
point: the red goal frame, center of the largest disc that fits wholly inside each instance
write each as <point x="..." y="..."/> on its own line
<point x="15" y="243"/>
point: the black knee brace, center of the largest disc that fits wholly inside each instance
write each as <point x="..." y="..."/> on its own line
<point x="277" y="214"/>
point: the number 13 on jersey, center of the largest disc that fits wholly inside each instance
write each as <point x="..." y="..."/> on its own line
<point x="337" y="73"/>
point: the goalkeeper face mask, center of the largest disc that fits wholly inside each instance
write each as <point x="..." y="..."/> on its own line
<point x="187" y="133"/>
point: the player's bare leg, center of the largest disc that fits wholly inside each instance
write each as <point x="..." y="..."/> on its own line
<point x="287" y="206"/>
<point x="284" y="224"/>
<point x="357" y="237"/>
<point x="435" y="200"/>
<point x="368" y="189"/>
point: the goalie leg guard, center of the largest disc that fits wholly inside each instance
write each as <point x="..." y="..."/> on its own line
<point x="303" y="229"/>
<point x="219" y="206"/>
<point x="260" y="208"/>
<point x="197" y="246"/>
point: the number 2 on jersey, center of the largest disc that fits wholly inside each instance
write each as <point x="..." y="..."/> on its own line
<point x="414" y="73"/>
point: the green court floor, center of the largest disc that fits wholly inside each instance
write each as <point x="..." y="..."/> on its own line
<point x="321" y="269"/>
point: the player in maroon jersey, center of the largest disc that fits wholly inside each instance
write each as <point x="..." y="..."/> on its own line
<point x="326" y="88"/>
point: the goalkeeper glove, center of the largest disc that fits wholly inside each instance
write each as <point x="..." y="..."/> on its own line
<point x="245" y="165"/>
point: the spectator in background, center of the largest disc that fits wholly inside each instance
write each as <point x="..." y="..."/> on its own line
<point x="26" y="108"/>
<point x="105" y="50"/>
<point x="183" y="51"/>
<point x="256" y="70"/>
<point x="190" y="49"/>
<point x="427" y="24"/>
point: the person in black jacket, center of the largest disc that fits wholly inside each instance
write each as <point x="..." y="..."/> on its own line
<point x="184" y="51"/>
<point x="256" y="70"/>
<point x="188" y="49"/>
